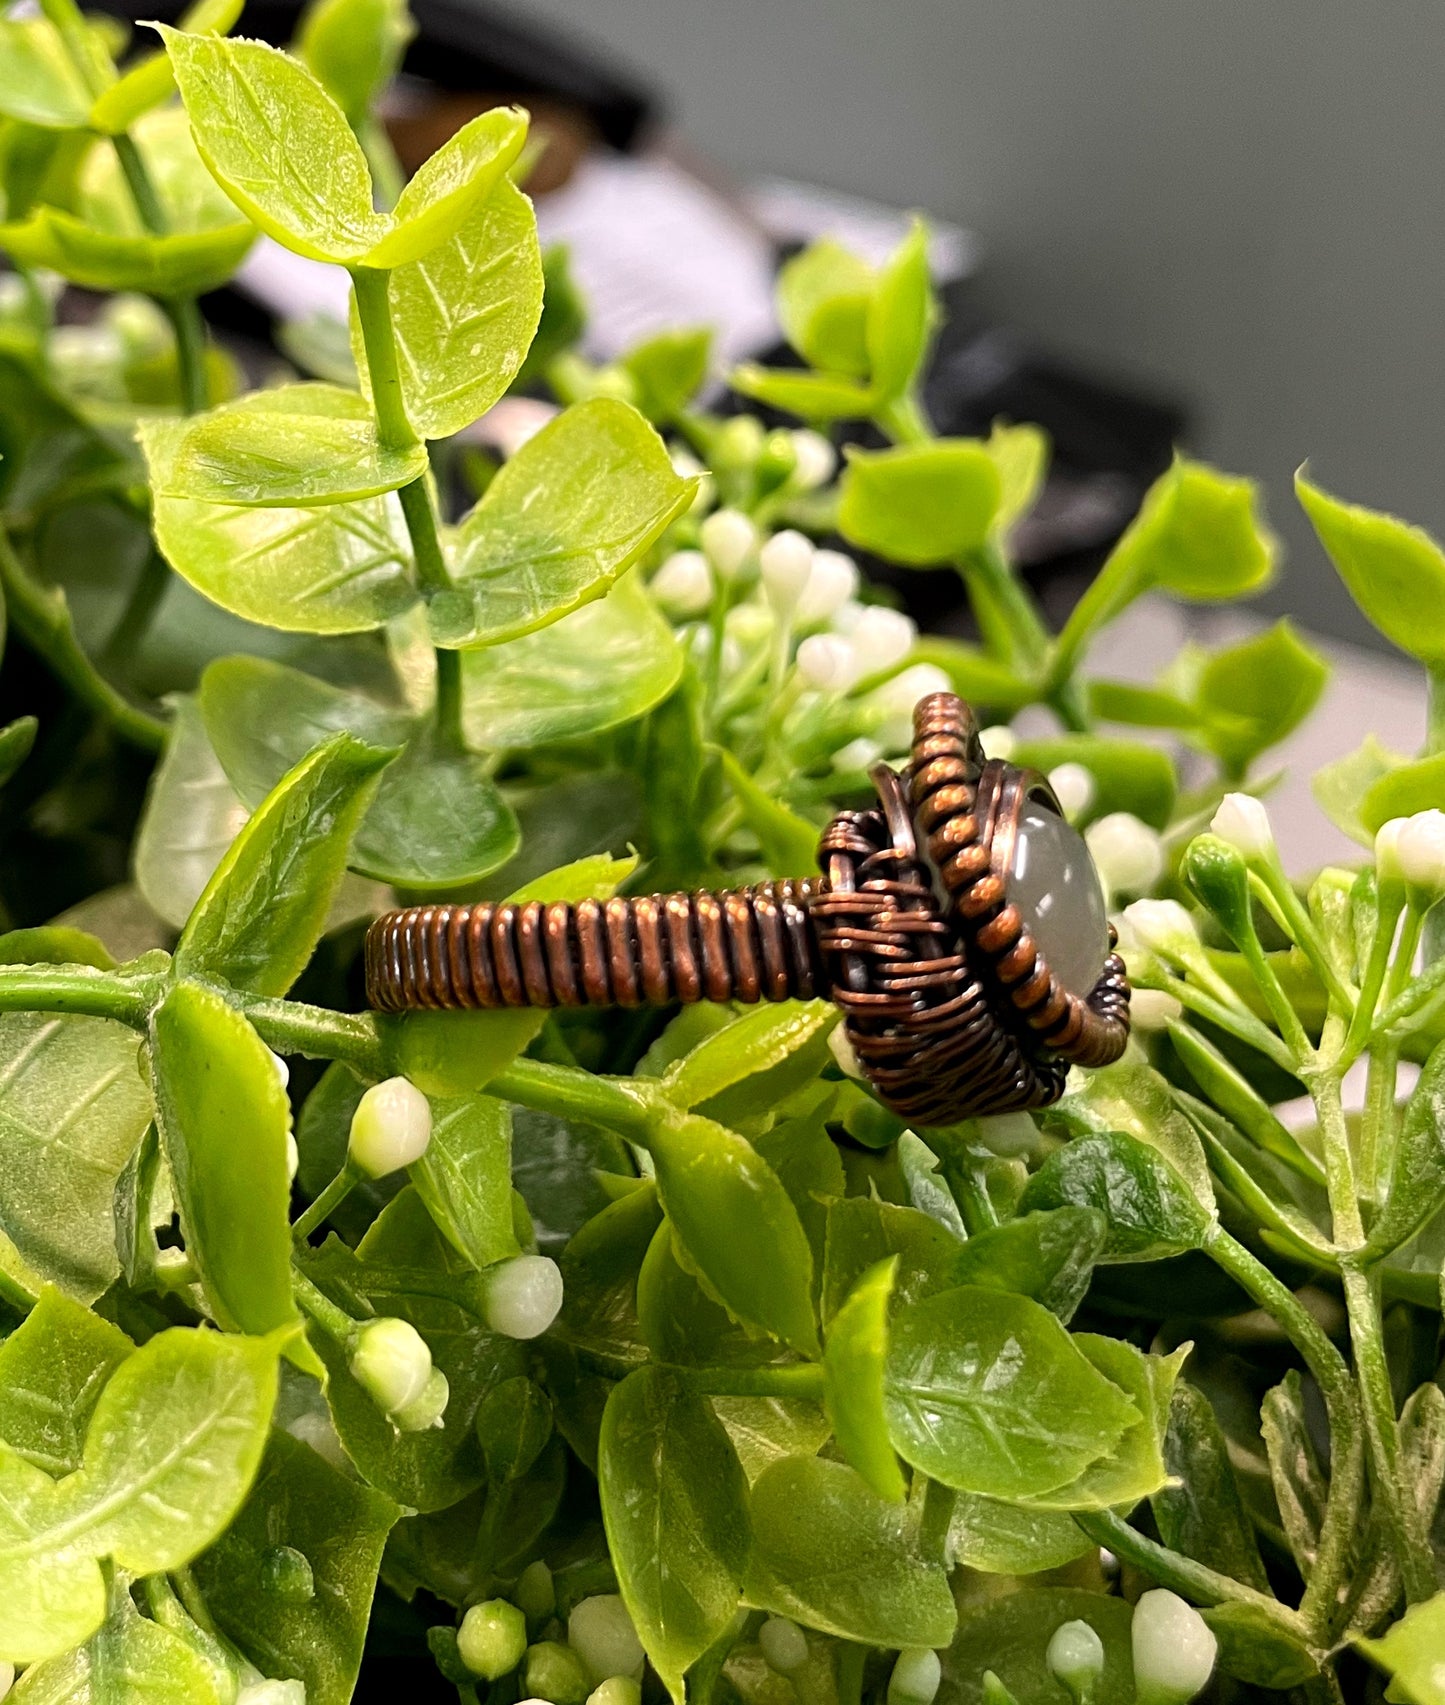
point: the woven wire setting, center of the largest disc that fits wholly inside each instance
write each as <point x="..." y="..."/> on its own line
<point x="946" y="999"/>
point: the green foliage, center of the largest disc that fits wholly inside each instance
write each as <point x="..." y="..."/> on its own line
<point x="808" y="1363"/>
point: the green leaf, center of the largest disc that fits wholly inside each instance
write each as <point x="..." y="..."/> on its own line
<point x="1394" y="572"/>
<point x="998" y="1538"/>
<point x="823" y="295"/>
<point x="1134" y="1468"/>
<point x="191" y="817"/>
<point x="16" y="740"/>
<point x="682" y="1323"/>
<point x="600" y="1269"/>
<point x="300" y="1502"/>
<point x="607" y="663"/>
<point x="1301" y="1487"/>
<point x="1417" y="1187"/>
<point x="289" y="448"/>
<point x="404" y="1268"/>
<point x="975" y="676"/>
<point x="514" y="1424"/>
<point x="1133" y="1098"/>
<point x="171" y="1450"/>
<point x="1047" y="1256"/>
<point x="862" y="1232"/>
<point x="668" y="370"/>
<point x="130" y="1659"/>
<point x="1403" y="789"/>
<point x="464" y="315"/>
<point x="73" y="1107"/>
<point x="1128" y="775"/>
<point x="987" y="1392"/>
<point x="1150" y="1210"/>
<point x="736" y="1225"/>
<point x="148" y="80"/>
<point x="449" y="184"/>
<point x="181" y="263"/>
<point x="1197" y="535"/>
<point x="675" y="1504"/>
<point x="1010" y="1636"/>
<point x="1021" y="455"/>
<point x="332" y="568"/>
<point x="816" y="397"/>
<point x="830" y="1553"/>
<point x="789" y="842"/>
<point x="901" y="316"/>
<point x="1255" y="693"/>
<point x="1410" y="1653"/>
<point x="853" y="1367"/>
<point x="52" y="1372"/>
<point x="264" y="909"/>
<point x="46" y="444"/>
<point x="1203" y="1513"/>
<point x="1340" y="788"/>
<point x="568" y="513"/>
<point x="920" y="504"/>
<point x="1254" y="1647"/>
<point x="465" y="1177"/>
<point x="753" y="1043"/>
<point x="215" y="1077"/>
<point x="278" y="145"/>
<point x="354" y="48"/>
<point x="39" y="82"/>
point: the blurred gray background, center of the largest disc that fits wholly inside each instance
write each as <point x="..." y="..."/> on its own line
<point x="1237" y="201"/>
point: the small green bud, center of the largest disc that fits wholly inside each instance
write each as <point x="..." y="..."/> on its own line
<point x="1174" y="1650"/>
<point x="617" y="1690"/>
<point x="535" y="1592"/>
<point x="994" y="1691"/>
<point x="425" y="1412"/>
<point x="390" y="1128"/>
<point x="1216" y="872"/>
<point x="915" y="1678"/>
<point x="554" y="1671"/>
<point x="392" y="1361"/>
<point x="524" y="1296"/>
<point x="1075" y="1656"/>
<point x="739" y="443"/>
<point x="492" y="1639"/>
<point x="783" y="1644"/>
<point x="286" y="1572"/>
<point x="601" y="1633"/>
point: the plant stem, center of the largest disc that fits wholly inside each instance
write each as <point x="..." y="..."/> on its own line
<point x="78" y="989"/>
<point x="293" y="1027"/>
<point x="617" y="1104"/>
<point x="326" y="1203"/>
<point x="335" y="1322"/>
<point x="1199" y="1582"/>
<point x="151" y="585"/>
<point x="802" y="1379"/>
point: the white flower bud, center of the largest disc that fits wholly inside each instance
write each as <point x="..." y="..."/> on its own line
<point x="998" y="740"/>
<point x="859" y="754"/>
<point x="1387" y="850"/>
<point x="492" y="1639"/>
<point x="827" y="663"/>
<point x="1075" y="1656"/>
<point x="601" y="1633"/>
<point x="315" y="1427"/>
<point x="882" y="637"/>
<point x="616" y="1690"/>
<point x="524" y="1296"/>
<point x="684" y="464"/>
<point x="390" y="1128"/>
<point x="816" y="460"/>
<point x="832" y="583"/>
<point x="1074" y="789"/>
<point x="1174" y="1650"/>
<point x="729" y="538"/>
<point x="293" y="1158"/>
<point x="683" y="584"/>
<point x="1243" y="821"/>
<point x="7" y="1679"/>
<point x="783" y="1644"/>
<point x="279" y="1066"/>
<point x="915" y="1678"/>
<point x="845" y="1053"/>
<point x="1152" y="1009"/>
<point x="271" y="1693"/>
<point x="897" y="698"/>
<point x="1160" y="926"/>
<point x="426" y="1411"/>
<point x="1129" y="854"/>
<point x="392" y="1361"/>
<point x="785" y="563"/>
<point x="1421" y="849"/>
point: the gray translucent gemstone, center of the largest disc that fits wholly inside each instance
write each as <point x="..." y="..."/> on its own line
<point x="1055" y="886"/>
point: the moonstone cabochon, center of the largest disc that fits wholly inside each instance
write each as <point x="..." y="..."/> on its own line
<point x="1056" y="888"/>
